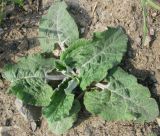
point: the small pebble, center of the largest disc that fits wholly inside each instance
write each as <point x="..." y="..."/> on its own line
<point x="151" y="32"/>
<point x="19" y="105"/>
<point x="30" y="113"/>
<point x="33" y="126"/>
<point x="138" y="41"/>
<point x="82" y="30"/>
<point x="46" y="3"/>
<point x="1" y="31"/>
<point x="147" y="41"/>
<point x="1" y="84"/>
<point x="154" y="14"/>
<point x="158" y="121"/>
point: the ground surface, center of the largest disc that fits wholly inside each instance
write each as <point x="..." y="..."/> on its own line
<point x="20" y="38"/>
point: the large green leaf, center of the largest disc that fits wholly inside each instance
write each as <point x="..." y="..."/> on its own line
<point x="63" y="109"/>
<point x="124" y="99"/>
<point x="60" y="105"/>
<point x="61" y="126"/>
<point x="57" y="27"/>
<point x="93" y="59"/>
<point x="27" y="79"/>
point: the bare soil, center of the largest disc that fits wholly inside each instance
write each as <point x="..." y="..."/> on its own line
<point x="20" y="38"/>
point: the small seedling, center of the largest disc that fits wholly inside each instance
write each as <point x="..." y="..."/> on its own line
<point x="86" y="71"/>
<point x="155" y="4"/>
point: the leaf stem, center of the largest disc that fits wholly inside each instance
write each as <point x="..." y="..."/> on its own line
<point x="54" y="77"/>
<point x="102" y="86"/>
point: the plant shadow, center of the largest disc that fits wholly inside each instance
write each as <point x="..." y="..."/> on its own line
<point x="80" y="16"/>
<point x="145" y="77"/>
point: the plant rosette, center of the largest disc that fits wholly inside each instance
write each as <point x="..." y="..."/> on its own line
<point x="89" y="67"/>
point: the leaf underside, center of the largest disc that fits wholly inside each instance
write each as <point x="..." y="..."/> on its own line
<point x="124" y="99"/>
<point x="57" y="27"/>
<point x="93" y="59"/>
<point x="27" y="79"/>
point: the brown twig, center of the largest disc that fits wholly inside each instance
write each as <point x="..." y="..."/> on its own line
<point x="94" y="8"/>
